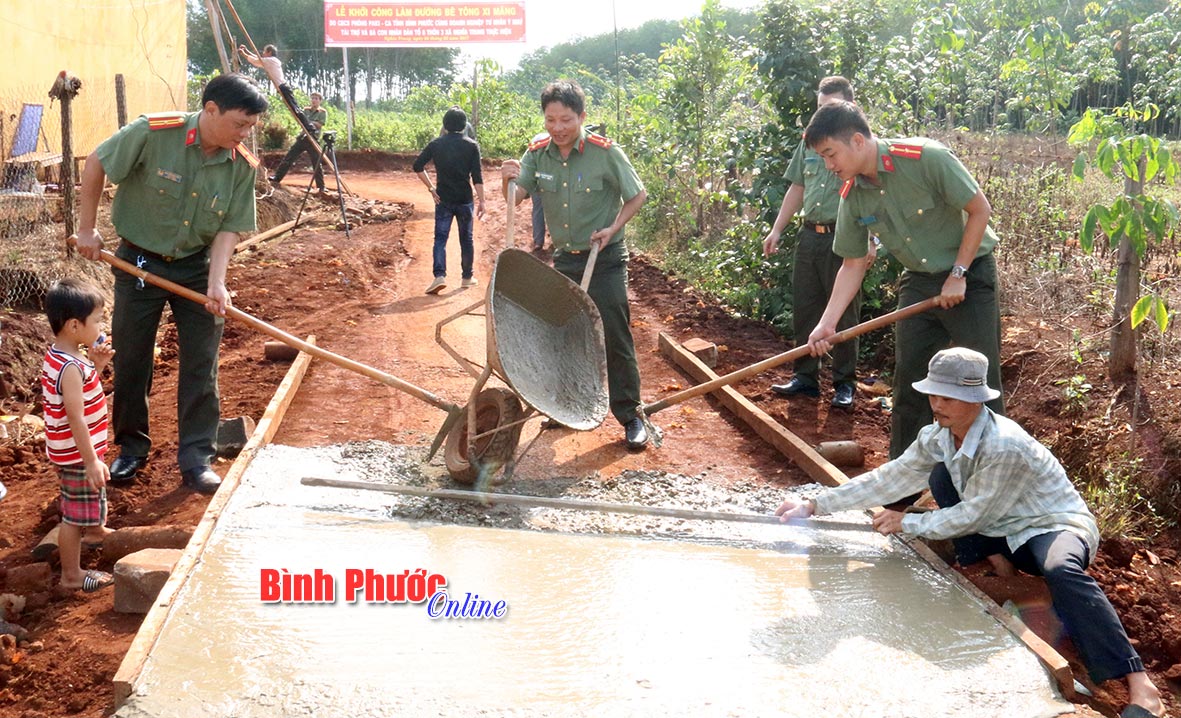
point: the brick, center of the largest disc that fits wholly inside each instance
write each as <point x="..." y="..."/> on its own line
<point x="140" y="576"/>
<point x="704" y="350"/>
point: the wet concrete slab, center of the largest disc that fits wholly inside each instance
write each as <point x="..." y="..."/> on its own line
<point x="737" y="620"/>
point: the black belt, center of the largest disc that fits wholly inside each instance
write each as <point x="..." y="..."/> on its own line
<point x="150" y="255"/>
<point x="821" y="227"/>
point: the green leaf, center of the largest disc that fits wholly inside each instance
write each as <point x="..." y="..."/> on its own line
<point x="1134" y="229"/>
<point x="1087" y="235"/>
<point x="1105" y="157"/>
<point x="1165" y="159"/>
<point x="1080" y="165"/>
<point x="1140" y="310"/>
<point x="1162" y="315"/>
<point x="1083" y="130"/>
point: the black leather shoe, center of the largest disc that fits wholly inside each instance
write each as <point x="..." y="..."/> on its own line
<point x="124" y="468"/>
<point x="843" y="396"/>
<point x="796" y="387"/>
<point x="201" y="479"/>
<point x="635" y="434"/>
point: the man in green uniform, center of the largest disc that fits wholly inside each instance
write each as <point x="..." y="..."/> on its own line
<point x="588" y="190"/>
<point x="814" y="266"/>
<point x="186" y="191"/>
<point x="315" y="117"/>
<point x="926" y="208"/>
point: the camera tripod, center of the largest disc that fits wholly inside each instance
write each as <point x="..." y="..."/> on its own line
<point x="328" y="148"/>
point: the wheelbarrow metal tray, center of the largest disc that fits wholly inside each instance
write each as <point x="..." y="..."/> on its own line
<point x="545" y="339"/>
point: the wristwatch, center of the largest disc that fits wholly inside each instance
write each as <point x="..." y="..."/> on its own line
<point x="959" y="271"/>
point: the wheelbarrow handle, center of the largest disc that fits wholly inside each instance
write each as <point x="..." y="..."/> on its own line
<point x="281" y="335"/>
<point x="590" y="265"/>
<point x="510" y="214"/>
<point x="790" y="355"/>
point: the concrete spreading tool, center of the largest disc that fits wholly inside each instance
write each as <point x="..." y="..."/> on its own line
<point x="487" y="498"/>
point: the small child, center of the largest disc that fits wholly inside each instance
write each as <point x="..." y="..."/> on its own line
<point x="76" y="422"/>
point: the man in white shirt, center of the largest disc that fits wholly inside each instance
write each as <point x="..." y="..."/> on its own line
<point x="1003" y="497"/>
<point x="269" y="63"/>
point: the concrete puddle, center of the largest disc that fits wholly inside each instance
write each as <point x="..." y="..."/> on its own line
<point x="769" y="621"/>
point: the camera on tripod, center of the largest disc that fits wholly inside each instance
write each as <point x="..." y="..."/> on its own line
<point x="328" y="136"/>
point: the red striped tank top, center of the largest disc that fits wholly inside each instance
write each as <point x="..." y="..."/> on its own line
<point x="59" y="440"/>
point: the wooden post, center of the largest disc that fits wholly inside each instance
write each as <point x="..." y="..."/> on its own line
<point x="214" y="16"/>
<point x="348" y="98"/>
<point x="67" y="165"/>
<point x="65" y="89"/>
<point x="120" y="99"/>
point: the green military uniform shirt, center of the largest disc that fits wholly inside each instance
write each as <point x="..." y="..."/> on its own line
<point x="821" y="196"/>
<point x="172" y="198"/>
<point x="316" y="117"/>
<point x="916" y="209"/>
<point x="582" y="193"/>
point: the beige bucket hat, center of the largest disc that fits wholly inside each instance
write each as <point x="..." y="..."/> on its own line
<point x="958" y="373"/>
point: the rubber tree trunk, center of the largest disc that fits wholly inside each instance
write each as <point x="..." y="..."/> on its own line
<point x="1122" y="362"/>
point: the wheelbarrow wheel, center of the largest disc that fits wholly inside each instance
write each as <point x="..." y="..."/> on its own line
<point x="495" y="407"/>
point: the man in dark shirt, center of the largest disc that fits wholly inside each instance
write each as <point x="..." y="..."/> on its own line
<point x="457" y="169"/>
<point x="315" y="116"/>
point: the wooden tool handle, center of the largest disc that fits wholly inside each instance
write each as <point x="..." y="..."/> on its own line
<point x="790" y="355"/>
<point x="590" y="265"/>
<point x="279" y="334"/>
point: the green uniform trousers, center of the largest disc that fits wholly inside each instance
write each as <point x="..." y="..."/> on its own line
<point x="608" y="290"/>
<point x="134" y="322"/>
<point x="974" y="323"/>
<point x="813" y="273"/>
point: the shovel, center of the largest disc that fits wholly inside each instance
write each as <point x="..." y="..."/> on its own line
<point x="454" y="412"/>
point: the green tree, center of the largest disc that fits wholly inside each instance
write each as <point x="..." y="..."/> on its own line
<point x="702" y="92"/>
<point x="1131" y="220"/>
<point x="1038" y="72"/>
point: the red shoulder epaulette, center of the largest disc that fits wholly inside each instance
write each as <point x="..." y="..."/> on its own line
<point x="246" y="155"/>
<point x="168" y="121"/>
<point x="909" y="151"/>
<point x="598" y="140"/>
<point x="540" y="144"/>
<point x="845" y="188"/>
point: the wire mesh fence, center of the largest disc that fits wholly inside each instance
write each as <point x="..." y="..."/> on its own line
<point x="39" y="168"/>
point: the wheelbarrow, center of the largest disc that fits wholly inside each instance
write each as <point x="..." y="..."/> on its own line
<point x="545" y="344"/>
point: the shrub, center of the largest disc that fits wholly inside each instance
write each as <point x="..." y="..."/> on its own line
<point x="274" y="136"/>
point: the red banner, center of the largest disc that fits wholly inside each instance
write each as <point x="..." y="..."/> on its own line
<point x="366" y="24"/>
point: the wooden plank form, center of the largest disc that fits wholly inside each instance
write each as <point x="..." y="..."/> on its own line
<point x="264" y="236"/>
<point x="149" y="631"/>
<point x="790" y="445"/>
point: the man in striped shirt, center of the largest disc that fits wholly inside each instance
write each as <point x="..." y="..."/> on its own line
<point x="76" y="422"/>
<point x="1003" y="497"/>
